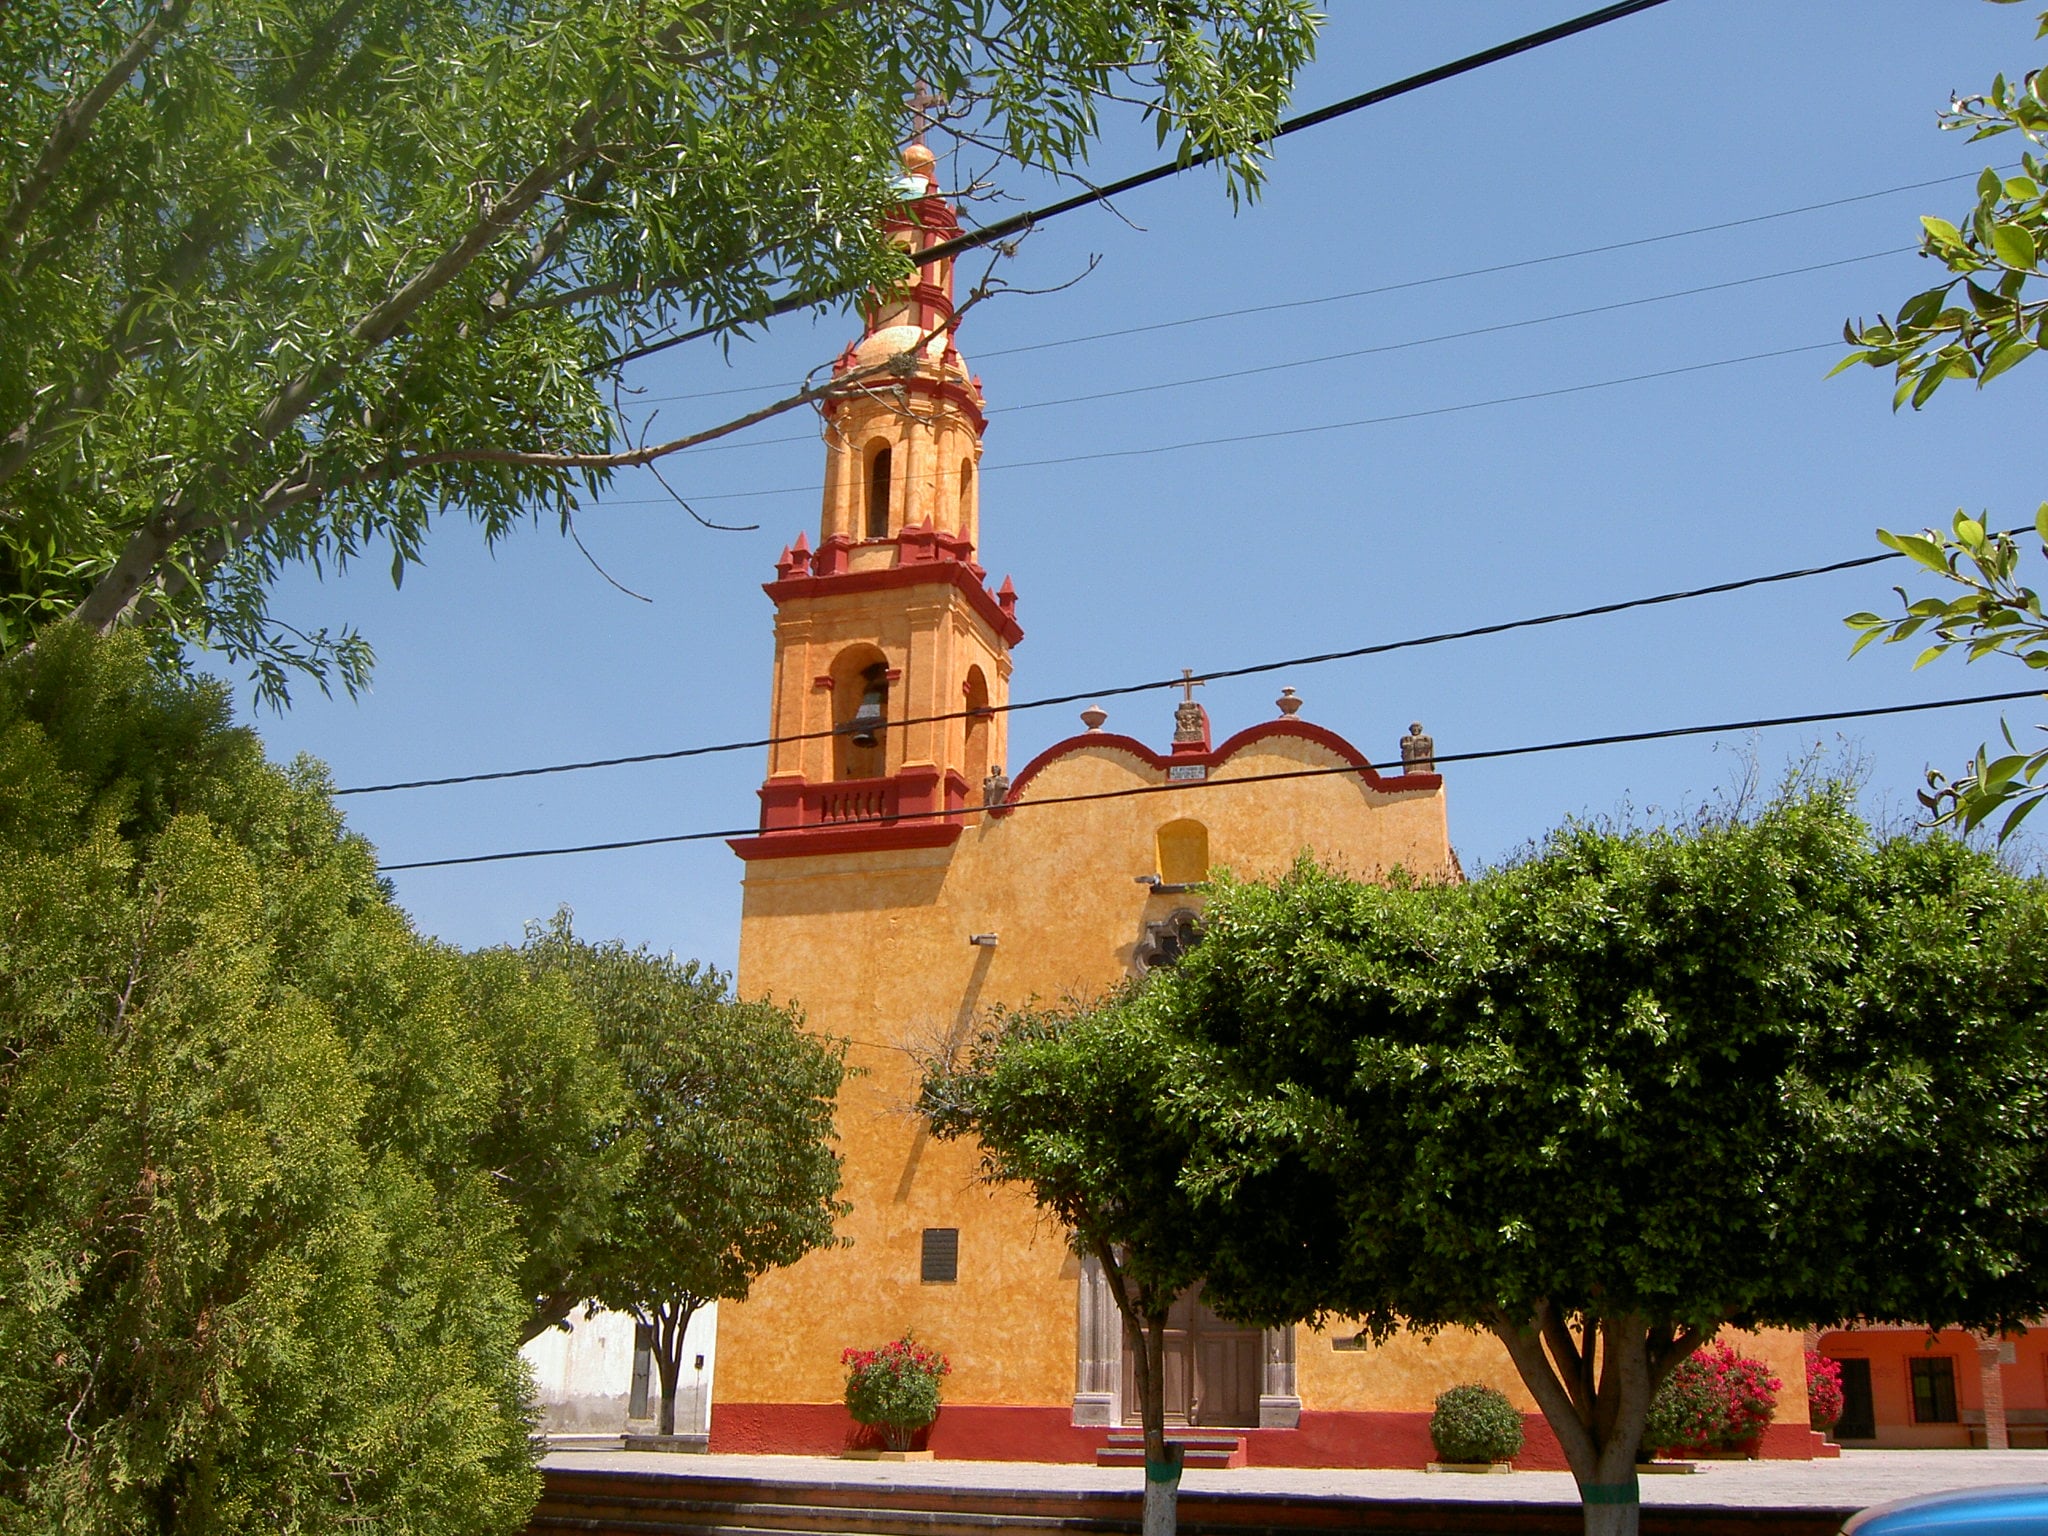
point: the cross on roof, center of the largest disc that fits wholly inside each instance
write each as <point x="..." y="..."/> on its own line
<point x="922" y="102"/>
<point x="1190" y="683"/>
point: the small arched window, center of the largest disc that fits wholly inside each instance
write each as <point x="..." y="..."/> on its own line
<point x="1183" y="853"/>
<point x="967" y="498"/>
<point x="878" y="494"/>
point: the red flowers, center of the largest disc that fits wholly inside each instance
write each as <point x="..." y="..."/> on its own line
<point x="894" y="1388"/>
<point x="1823" y="1390"/>
<point x="1716" y="1400"/>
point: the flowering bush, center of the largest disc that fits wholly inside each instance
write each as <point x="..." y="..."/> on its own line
<point x="1475" y="1423"/>
<point x="1823" y="1390"/>
<point x="894" y="1389"/>
<point x="1716" y="1400"/>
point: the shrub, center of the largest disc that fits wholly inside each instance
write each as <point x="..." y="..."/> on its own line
<point x="1475" y="1423"/>
<point x="894" y="1389"/>
<point x="1823" y="1391"/>
<point x="1716" y="1400"/>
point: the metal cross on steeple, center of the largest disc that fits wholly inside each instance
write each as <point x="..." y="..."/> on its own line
<point x="922" y="104"/>
<point x="1190" y="683"/>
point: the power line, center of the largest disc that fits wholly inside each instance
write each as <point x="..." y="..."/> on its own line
<point x="1282" y="432"/>
<point x="1002" y="229"/>
<point x="1177" y="786"/>
<point x="1320" y="658"/>
<point x="1383" y="288"/>
<point x="1375" y="350"/>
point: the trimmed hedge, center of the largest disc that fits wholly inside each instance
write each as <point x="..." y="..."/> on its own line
<point x="1475" y="1423"/>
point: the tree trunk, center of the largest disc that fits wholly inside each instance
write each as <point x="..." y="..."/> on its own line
<point x="1162" y="1461"/>
<point x="671" y="1321"/>
<point x="1144" y="1317"/>
<point x="1594" y="1389"/>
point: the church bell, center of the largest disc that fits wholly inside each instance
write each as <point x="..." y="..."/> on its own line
<point x="866" y="725"/>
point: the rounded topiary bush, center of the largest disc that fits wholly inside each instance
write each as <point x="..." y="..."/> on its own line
<point x="1475" y="1423"/>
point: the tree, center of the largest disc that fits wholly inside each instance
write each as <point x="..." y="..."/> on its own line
<point x="730" y="1107"/>
<point x="266" y="1156"/>
<point x="285" y="278"/>
<point x="1632" y="1089"/>
<point x="1987" y="316"/>
<point x="1072" y="1106"/>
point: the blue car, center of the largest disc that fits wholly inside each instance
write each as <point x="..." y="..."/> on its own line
<point x="2020" y="1510"/>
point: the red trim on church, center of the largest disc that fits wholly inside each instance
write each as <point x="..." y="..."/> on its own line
<point x="904" y="810"/>
<point x="1265" y="730"/>
<point x="925" y="563"/>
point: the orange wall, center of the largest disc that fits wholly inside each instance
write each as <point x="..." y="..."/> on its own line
<point x="874" y="946"/>
<point x="1890" y="1352"/>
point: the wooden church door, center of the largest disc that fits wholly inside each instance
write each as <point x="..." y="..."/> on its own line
<point x="1212" y="1369"/>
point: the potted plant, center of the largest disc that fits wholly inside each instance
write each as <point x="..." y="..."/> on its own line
<point x="1823" y="1391"/>
<point x="1716" y="1404"/>
<point x="1474" y="1429"/>
<point x="894" y="1391"/>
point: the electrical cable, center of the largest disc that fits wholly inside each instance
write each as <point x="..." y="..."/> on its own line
<point x="1176" y="786"/>
<point x="1016" y="223"/>
<point x="1367" y="293"/>
<point x="1357" y="352"/>
<point x="1257" y="437"/>
<point x="1320" y="658"/>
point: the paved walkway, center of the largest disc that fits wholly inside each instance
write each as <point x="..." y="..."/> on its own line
<point x="1858" y="1479"/>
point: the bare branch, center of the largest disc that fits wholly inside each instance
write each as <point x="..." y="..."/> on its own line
<point x="569" y="527"/>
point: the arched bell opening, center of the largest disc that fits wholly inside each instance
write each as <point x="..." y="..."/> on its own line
<point x="860" y="714"/>
<point x="974" y="763"/>
<point x="876" y="525"/>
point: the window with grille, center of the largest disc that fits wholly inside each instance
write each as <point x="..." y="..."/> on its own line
<point x="1934" y="1390"/>
<point x="940" y="1261"/>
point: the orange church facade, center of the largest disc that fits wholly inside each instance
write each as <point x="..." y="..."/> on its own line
<point x="901" y="884"/>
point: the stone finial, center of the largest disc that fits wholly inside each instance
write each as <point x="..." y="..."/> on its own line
<point x="1418" y="752"/>
<point x="1190" y="720"/>
<point x="1289" y="703"/>
<point x="995" y="789"/>
<point x="1093" y="716"/>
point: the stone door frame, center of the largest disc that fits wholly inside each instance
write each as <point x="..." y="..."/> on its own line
<point x="1099" y="1362"/>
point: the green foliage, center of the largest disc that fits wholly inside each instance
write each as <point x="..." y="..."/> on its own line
<point x="1985" y="318"/>
<point x="284" y="278"/>
<point x="1634" y="1087"/>
<point x="265" y="1155"/>
<point x="1475" y="1423"/>
<point x="729" y="1113"/>
<point x="895" y="1388"/>
<point x="1995" y="614"/>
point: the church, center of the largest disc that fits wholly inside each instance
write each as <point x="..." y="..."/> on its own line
<point x="902" y="882"/>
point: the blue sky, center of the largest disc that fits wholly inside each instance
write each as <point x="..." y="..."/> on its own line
<point x="1214" y="554"/>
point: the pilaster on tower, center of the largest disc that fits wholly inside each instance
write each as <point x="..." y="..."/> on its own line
<point x="892" y="659"/>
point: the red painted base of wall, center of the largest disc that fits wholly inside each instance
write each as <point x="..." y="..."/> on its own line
<point x="964" y="1432"/>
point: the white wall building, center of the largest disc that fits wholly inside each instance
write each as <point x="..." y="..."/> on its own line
<point x="596" y="1376"/>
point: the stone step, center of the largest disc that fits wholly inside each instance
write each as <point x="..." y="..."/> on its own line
<point x="1199" y="1448"/>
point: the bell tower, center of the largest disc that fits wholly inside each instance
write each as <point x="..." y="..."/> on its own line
<point x="888" y="625"/>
